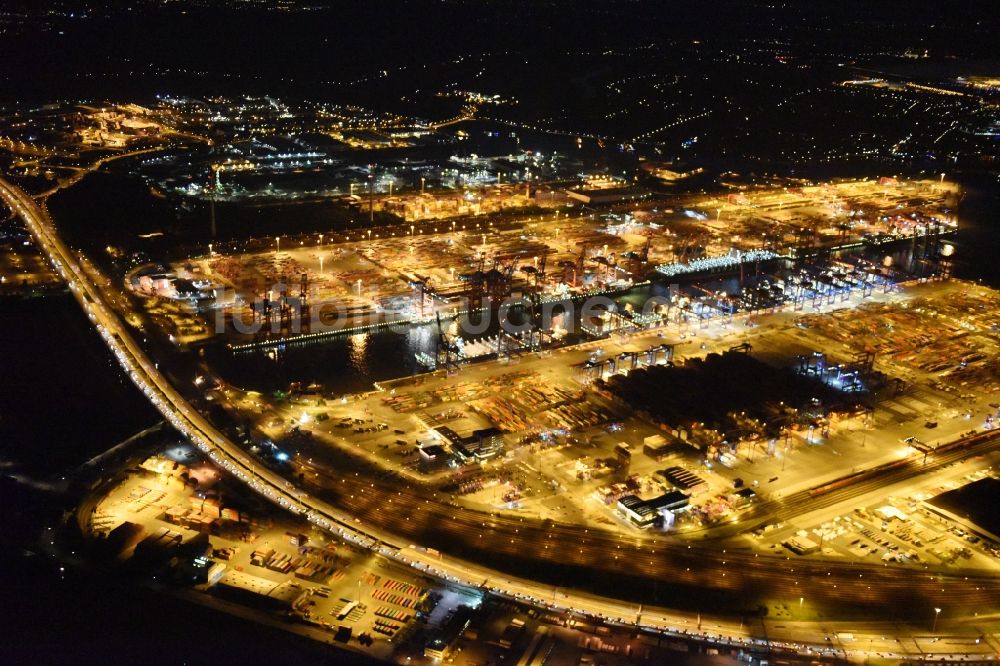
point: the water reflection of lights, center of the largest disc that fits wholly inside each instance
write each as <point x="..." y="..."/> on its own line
<point x="419" y="337"/>
<point x="358" y="350"/>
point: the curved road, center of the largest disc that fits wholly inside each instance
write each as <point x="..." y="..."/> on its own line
<point x="412" y="514"/>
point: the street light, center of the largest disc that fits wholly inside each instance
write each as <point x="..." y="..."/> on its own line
<point x="277" y="244"/>
<point x="937" y="611"/>
<point x="422" y="181"/>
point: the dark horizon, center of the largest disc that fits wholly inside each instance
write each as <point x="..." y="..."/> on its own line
<point x="261" y="400"/>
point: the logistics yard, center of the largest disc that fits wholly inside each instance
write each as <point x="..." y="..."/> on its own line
<point x="427" y="436"/>
<point x="532" y="437"/>
<point x="168" y="517"/>
<point x="536" y="455"/>
<point x="907" y="529"/>
<point x="499" y="334"/>
<point x="409" y="272"/>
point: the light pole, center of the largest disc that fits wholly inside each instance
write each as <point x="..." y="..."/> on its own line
<point x="937" y="611"/>
<point x="371" y="193"/>
<point x="277" y="244"/>
<point x="422" y="181"/>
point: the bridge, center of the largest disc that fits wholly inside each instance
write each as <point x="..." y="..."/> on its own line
<point x="570" y="544"/>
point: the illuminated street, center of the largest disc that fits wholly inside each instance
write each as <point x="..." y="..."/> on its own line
<point x="459" y="334"/>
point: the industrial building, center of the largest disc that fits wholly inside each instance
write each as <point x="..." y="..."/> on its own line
<point x="440" y="641"/>
<point x="973" y="506"/>
<point x="608" y="195"/>
<point x="644" y="513"/>
<point x="480" y="446"/>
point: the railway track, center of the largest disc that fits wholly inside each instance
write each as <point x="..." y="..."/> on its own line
<point x="512" y="542"/>
<point x="376" y="517"/>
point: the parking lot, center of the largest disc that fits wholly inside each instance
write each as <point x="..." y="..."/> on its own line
<point x="267" y="560"/>
<point x="893" y="528"/>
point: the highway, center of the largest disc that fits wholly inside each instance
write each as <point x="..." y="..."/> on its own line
<point x="413" y="515"/>
<point x="81" y="172"/>
<point x="680" y="569"/>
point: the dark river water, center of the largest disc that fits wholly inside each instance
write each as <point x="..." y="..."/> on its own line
<point x="350" y="363"/>
<point x="978" y="255"/>
<point x="63" y="398"/>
